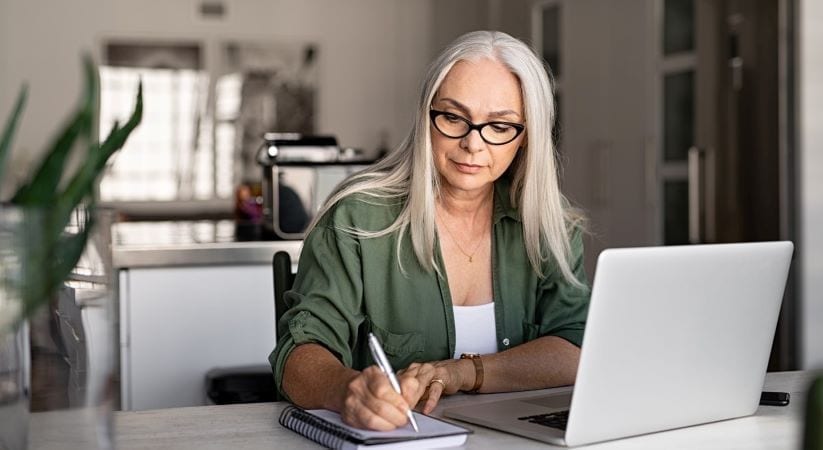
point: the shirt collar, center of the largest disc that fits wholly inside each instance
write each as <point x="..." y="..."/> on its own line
<point x="502" y="201"/>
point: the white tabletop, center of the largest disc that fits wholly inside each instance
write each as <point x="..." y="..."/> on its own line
<point x="254" y="426"/>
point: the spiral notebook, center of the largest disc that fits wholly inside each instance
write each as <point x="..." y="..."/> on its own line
<point x="327" y="429"/>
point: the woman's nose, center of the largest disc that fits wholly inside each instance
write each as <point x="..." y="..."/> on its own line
<point x="473" y="142"/>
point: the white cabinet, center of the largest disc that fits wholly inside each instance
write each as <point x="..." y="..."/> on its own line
<point x="177" y="323"/>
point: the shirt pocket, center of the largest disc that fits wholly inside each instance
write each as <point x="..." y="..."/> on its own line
<point x="402" y="349"/>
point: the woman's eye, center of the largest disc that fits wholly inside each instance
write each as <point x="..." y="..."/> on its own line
<point x="500" y="127"/>
<point x="452" y="118"/>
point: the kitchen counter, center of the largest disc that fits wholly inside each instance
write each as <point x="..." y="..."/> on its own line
<point x="190" y="243"/>
<point x="201" y="274"/>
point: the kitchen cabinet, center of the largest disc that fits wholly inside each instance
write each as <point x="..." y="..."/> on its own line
<point x="177" y="323"/>
<point x="192" y="298"/>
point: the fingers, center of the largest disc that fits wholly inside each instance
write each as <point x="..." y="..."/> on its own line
<point x="415" y="380"/>
<point x="435" y="391"/>
<point x="412" y="389"/>
<point x="372" y="403"/>
<point x="382" y="390"/>
<point x="360" y="416"/>
<point x="433" y="381"/>
<point x="413" y="366"/>
<point x="446" y="380"/>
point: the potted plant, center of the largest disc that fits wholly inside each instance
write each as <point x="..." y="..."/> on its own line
<point x="38" y="250"/>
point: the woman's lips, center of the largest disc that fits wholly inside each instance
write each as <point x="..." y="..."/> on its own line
<point x="467" y="168"/>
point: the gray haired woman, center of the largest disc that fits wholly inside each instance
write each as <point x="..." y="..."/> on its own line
<point x="457" y="250"/>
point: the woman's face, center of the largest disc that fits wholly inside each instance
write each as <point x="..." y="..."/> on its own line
<point x="480" y="91"/>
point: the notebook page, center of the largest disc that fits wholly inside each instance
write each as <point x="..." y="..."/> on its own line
<point x="428" y="427"/>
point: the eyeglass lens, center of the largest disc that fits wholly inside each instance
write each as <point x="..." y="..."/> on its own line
<point x="455" y="126"/>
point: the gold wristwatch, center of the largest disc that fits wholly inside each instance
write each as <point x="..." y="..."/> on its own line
<point x="478" y="371"/>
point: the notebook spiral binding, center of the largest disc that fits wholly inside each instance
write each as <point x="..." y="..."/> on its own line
<point x="324" y="433"/>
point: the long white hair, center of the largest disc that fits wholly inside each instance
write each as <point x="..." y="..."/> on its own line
<point x="408" y="174"/>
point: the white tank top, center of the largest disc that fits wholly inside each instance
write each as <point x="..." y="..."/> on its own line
<point x="475" y="330"/>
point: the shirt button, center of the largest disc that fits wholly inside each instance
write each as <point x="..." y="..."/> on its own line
<point x="506" y="342"/>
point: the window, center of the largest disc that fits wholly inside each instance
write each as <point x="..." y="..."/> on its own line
<point x="203" y="119"/>
<point x="676" y="65"/>
<point x="169" y="156"/>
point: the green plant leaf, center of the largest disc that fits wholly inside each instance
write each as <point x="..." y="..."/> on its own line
<point x="11" y="126"/>
<point x="42" y="188"/>
<point x="48" y="254"/>
<point x="64" y="253"/>
<point x="115" y="126"/>
<point x="83" y="181"/>
<point x="32" y="245"/>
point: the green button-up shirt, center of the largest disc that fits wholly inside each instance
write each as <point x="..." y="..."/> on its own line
<point x="347" y="286"/>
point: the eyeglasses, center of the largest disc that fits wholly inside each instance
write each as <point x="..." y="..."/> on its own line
<point x="456" y="127"/>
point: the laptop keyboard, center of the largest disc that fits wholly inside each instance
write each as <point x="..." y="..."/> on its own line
<point x="555" y="420"/>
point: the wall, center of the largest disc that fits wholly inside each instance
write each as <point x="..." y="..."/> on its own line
<point x="452" y="18"/>
<point x="372" y="54"/>
<point x="605" y="112"/>
<point x="810" y="170"/>
<point x="4" y="43"/>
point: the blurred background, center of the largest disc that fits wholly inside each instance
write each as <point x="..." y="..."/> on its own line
<point x="680" y="121"/>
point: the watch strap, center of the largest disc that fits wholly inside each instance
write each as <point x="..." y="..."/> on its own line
<point x="478" y="371"/>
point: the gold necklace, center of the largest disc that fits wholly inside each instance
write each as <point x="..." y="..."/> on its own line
<point x="459" y="247"/>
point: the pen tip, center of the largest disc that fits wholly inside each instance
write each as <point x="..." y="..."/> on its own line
<point x="413" y="422"/>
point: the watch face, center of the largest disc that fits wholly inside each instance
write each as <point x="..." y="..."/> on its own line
<point x="469" y="355"/>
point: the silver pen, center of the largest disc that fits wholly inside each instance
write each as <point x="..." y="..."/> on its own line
<point x="383" y="363"/>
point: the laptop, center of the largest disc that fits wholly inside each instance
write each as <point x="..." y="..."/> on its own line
<point x="676" y="336"/>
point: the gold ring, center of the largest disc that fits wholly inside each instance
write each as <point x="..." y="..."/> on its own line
<point x="437" y="380"/>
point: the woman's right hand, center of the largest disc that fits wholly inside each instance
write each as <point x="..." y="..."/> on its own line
<point x="369" y="401"/>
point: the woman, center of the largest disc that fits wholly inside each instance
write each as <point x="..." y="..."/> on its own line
<point x="458" y="242"/>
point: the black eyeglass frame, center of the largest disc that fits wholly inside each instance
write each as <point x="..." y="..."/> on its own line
<point x="433" y="114"/>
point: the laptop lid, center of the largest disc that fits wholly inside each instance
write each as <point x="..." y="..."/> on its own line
<point x="676" y="336"/>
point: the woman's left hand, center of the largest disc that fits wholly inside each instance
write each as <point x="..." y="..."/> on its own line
<point x="435" y="379"/>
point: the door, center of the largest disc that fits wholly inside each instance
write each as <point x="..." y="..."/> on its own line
<point x="723" y="170"/>
<point x="670" y="123"/>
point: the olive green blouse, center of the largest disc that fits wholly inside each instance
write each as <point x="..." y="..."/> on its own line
<point x="347" y="286"/>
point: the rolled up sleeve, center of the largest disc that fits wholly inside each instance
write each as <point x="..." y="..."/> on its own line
<point x="324" y="305"/>
<point x="562" y="307"/>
